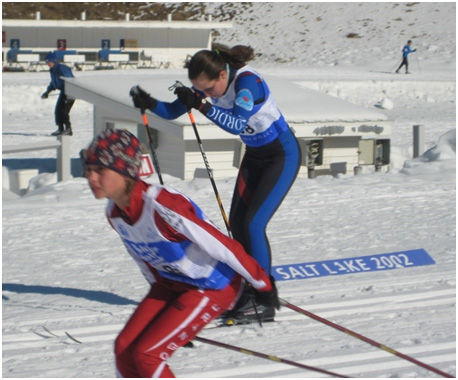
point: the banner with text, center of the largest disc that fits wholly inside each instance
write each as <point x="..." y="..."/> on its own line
<point x="371" y="263"/>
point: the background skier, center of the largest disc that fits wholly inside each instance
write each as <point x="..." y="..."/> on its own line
<point x="406" y="50"/>
<point x="63" y="104"/>
<point x="195" y="271"/>
<point x="241" y="104"/>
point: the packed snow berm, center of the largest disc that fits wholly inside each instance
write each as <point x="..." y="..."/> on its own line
<point x="65" y="269"/>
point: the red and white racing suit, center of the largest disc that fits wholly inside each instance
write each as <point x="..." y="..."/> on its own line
<point x="196" y="272"/>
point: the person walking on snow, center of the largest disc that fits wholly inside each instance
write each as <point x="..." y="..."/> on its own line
<point x="195" y="271"/>
<point x="64" y="103"/>
<point x="406" y="50"/>
<point x="241" y="104"/>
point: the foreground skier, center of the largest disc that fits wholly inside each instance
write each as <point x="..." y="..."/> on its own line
<point x="195" y="271"/>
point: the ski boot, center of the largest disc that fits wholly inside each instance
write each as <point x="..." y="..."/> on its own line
<point x="57" y="132"/>
<point x="248" y="311"/>
<point x="247" y="314"/>
<point x="68" y="130"/>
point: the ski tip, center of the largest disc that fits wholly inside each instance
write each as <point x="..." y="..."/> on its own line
<point x="73" y="338"/>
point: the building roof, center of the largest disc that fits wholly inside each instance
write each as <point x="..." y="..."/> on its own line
<point x="297" y="103"/>
<point x="117" y="24"/>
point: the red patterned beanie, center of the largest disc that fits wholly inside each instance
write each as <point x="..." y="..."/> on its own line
<point x="116" y="149"/>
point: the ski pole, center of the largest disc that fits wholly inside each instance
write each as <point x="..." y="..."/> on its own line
<point x="362" y="337"/>
<point x="132" y="92"/>
<point x="207" y="165"/>
<point x="265" y="356"/>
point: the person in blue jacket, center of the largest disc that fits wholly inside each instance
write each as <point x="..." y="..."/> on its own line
<point x="406" y="50"/>
<point x="240" y="102"/>
<point x="64" y="104"/>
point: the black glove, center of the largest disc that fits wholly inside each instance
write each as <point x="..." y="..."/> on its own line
<point x="269" y="299"/>
<point x="142" y="99"/>
<point x="44" y="95"/>
<point x="192" y="99"/>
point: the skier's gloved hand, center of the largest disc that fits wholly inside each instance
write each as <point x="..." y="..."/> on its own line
<point x="192" y="99"/>
<point x="142" y="99"/>
<point x="44" y="95"/>
<point x="270" y="298"/>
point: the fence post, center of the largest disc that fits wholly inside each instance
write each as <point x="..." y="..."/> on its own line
<point x="418" y="140"/>
<point x="63" y="158"/>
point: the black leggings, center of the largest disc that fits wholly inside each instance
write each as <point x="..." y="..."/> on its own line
<point x="406" y="63"/>
<point x="62" y="110"/>
<point x="266" y="174"/>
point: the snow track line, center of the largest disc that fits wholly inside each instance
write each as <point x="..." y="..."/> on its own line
<point x="391" y="298"/>
<point x="445" y="352"/>
<point x="421" y="304"/>
<point x="366" y="362"/>
<point x="357" y="365"/>
<point x="92" y="333"/>
<point x="70" y="318"/>
<point x="31" y="341"/>
<point x="266" y="356"/>
<point x="364" y="338"/>
<point x="346" y="308"/>
<point x="375" y="367"/>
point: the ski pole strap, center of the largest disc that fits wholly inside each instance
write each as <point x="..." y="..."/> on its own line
<point x="363" y="338"/>
<point x="265" y="356"/>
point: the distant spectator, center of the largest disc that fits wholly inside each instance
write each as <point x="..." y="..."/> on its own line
<point x="406" y="50"/>
<point x="63" y="104"/>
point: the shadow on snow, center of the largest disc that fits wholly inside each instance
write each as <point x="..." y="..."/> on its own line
<point x="91" y="295"/>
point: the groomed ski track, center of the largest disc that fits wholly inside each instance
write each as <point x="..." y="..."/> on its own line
<point x="310" y="342"/>
<point x="64" y="268"/>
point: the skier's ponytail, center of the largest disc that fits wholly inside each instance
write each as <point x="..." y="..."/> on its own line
<point x="212" y="62"/>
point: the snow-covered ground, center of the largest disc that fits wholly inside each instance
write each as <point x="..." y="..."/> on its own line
<point x="64" y="268"/>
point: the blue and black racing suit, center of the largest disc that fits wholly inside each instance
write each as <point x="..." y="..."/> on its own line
<point x="271" y="161"/>
<point x="406" y="50"/>
<point x="63" y="104"/>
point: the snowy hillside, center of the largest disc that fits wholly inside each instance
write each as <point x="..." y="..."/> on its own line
<point x="64" y="269"/>
<point x="296" y="33"/>
<point x="335" y="34"/>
